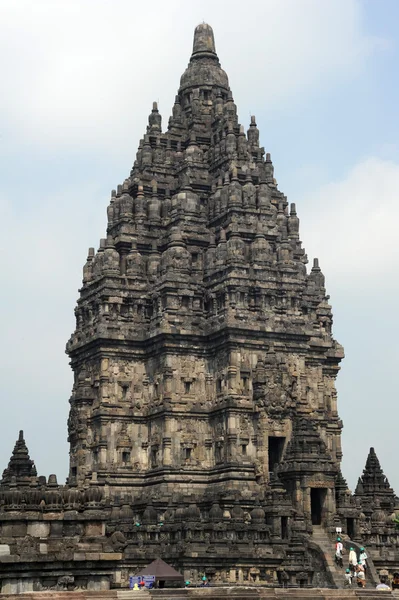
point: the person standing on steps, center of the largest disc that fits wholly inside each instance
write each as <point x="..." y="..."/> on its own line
<point x="363" y="558"/>
<point x="339" y="548"/>
<point x="352" y="560"/>
<point x="348" y="578"/>
<point x="360" y="576"/>
<point x="339" y="545"/>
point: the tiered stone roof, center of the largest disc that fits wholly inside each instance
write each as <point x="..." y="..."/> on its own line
<point x="373" y="485"/>
<point x="21" y="469"/>
<point x="198" y="299"/>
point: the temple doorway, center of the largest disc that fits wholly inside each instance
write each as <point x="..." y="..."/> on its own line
<point x="350" y="528"/>
<point x="276" y="447"/>
<point x="317" y="498"/>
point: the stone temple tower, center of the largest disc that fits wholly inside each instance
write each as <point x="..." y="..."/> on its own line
<point x="201" y="338"/>
<point x="203" y="425"/>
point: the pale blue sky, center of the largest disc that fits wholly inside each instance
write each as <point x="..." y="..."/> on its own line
<point x="79" y="78"/>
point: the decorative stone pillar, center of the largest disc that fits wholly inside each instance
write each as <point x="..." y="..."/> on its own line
<point x="232" y="446"/>
<point x="232" y="372"/>
<point x="209" y="390"/>
<point x="208" y="449"/>
<point x="168" y="384"/>
<point x="305" y="499"/>
<point x="276" y="527"/>
<point x="167" y="451"/>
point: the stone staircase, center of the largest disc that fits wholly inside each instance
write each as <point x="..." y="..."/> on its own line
<point x="320" y="538"/>
<point x="133" y="594"/>
<point x="371" y="572"/>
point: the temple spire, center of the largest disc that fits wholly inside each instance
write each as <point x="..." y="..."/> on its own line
<point x="198" y="190"/>
<point x="20" y="467"/>
<point x="373" y="484"/>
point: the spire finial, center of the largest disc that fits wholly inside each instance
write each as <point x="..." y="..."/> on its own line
<point x="316" y="266"/>
<point x="204" y="40"/>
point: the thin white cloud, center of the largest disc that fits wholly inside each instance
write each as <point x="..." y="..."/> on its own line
<point x="351" y="224"/>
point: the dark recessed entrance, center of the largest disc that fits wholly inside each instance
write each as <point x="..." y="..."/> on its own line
<point x="350" y="528"/>
<point x="276" y="446"/>
<point x="317" y="498"/>
<point x="284" y="528"/>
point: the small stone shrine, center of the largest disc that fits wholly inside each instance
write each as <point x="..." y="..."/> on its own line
<point x="203" y="421"/>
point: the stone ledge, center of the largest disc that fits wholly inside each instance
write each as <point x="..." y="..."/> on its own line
<point x="114" y="556"/>
<point x="212" y="593"/>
